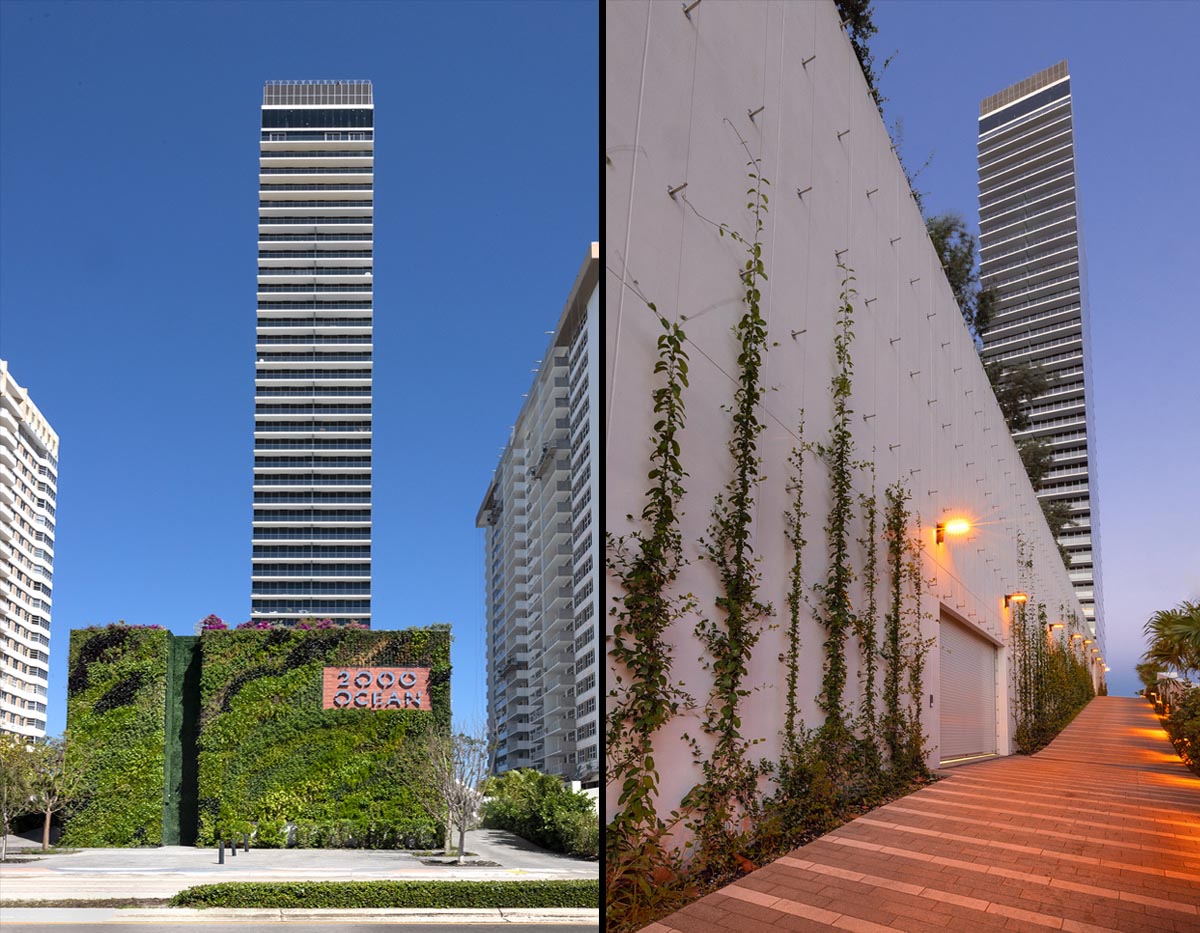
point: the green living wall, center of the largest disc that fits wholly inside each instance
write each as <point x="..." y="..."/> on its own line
<point x="116" y="701"/>
<point x="270" y="755"/>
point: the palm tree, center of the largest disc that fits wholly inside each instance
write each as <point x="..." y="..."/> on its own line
<point x="1175" y="638"/>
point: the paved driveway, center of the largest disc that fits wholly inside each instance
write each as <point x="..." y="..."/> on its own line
<point x="1100" y="831"/>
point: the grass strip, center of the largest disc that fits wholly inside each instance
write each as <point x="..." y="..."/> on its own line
<point x="350" y="895"/>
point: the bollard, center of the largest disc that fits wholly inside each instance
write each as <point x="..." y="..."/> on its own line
<point x="232" y="847"/>
<point x="246" y="842"/>
<point x="221" y="852"/>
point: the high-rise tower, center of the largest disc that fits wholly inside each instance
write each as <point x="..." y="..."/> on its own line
<point x="1031" y="252"/>
<point x="312" y="402"/>
<point x="28" y="490"/>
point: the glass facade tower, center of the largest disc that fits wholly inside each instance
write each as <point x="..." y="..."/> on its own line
<point x="312" y="385"/>
<point x="1032" y="254"/>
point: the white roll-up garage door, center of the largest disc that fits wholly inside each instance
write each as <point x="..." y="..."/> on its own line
<point x="968" y="708"/>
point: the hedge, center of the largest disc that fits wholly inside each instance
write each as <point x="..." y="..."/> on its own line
<point x="270" y="756"/>
<point x="116" y="701"/>
<point x="382" y="894"/>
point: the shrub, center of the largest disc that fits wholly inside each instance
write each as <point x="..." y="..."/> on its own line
<point x="1183" y="726"/>
<point x="579" y="832"/>
<point x="540" y="808"/>
<point x="349" y="895"/>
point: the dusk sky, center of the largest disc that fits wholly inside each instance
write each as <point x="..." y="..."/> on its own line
<point x="1133" y="84"/>
<point x="128" y="206"/>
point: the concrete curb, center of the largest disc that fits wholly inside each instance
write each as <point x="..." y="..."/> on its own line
<point x="275" y="915"/>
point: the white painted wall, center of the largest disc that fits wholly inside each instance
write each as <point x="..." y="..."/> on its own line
<point x="672" y="83"/>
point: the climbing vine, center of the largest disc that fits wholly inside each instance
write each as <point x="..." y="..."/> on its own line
<point x="837" y="613"/>
<point x="729" y="789"/>
<point x="646" y="564"/>
<point x="916" y="651"/>
<point x="1051" y="679"/>
<point x="794" y="523"/>
<point x="895" y="526"/>
<point x="866" y="620"/>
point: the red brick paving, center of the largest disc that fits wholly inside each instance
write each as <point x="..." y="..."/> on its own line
<point x="1100" y="831"/>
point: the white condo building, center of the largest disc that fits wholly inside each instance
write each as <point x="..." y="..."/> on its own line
<point x="542" y="551"/>
<point x="28" y="489"/>
<point x="312" y="395"/>
<point x="1031" y="252"/>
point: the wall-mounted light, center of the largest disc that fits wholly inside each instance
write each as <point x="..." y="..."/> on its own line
<point x="1076" y="635"/>
<point x="1057" y="625"/>
<point x="1017" y="597"/>
<point x="956" y="526"/>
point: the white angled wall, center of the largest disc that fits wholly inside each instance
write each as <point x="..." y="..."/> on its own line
<point x="923" y="407"/>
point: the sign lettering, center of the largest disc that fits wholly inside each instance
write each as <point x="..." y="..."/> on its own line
<point x="376" y="688"/>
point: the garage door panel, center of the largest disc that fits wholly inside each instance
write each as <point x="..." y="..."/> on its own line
<point x="968" y="679"/>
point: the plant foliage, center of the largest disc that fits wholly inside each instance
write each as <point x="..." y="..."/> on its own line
<point x="645" y="565"/>
<point x="540" y="808"/>
<point x="836" y="611"/>
<point x="1051" y="677"/>
<point x="360" y="895"/>
<point x="116" y="705"/>
<point x="270" y="755"/>
<point x="727" y="795"/>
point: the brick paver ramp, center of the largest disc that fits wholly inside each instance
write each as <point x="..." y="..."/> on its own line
<point x="1099" y="831"/>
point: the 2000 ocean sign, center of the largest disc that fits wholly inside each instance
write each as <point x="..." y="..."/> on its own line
<point x="376" y="688"/>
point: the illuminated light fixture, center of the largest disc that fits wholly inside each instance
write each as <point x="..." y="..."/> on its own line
<point x="1057" y="625"/>
<point x="956" y="526"/>
<point x="1076" y="635"/>
<point x="1017" y="597"/>
<point x="1087" y="641"/>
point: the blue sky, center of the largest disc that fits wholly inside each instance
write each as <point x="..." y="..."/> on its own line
<point x="1133" y="86"/>
<point x="128" y="175"/>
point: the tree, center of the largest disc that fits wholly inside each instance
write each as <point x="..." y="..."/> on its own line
<point x="1037" y="456"/>
<point x="856" y="17"/>
<point x="1015" y="387"/>
<point x="16" y="779"/>
<point x="1175" y="638"/>
<point x="956" y="249"/>
<point x="1148" y="673"/>
<point x="1058" y="517"/>
<point x="56" y="780"/>
<point x="446" y="773"/>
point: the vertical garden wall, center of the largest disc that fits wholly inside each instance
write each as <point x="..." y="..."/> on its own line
<point x="190" y="738"/>
<point x="116" y="700"/>
<point x="273" y="760"/>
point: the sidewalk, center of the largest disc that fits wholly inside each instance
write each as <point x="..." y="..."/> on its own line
<point x="1100" y="831"/>
<point x="159" y="916"/>
<point x="164" y="871"/>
